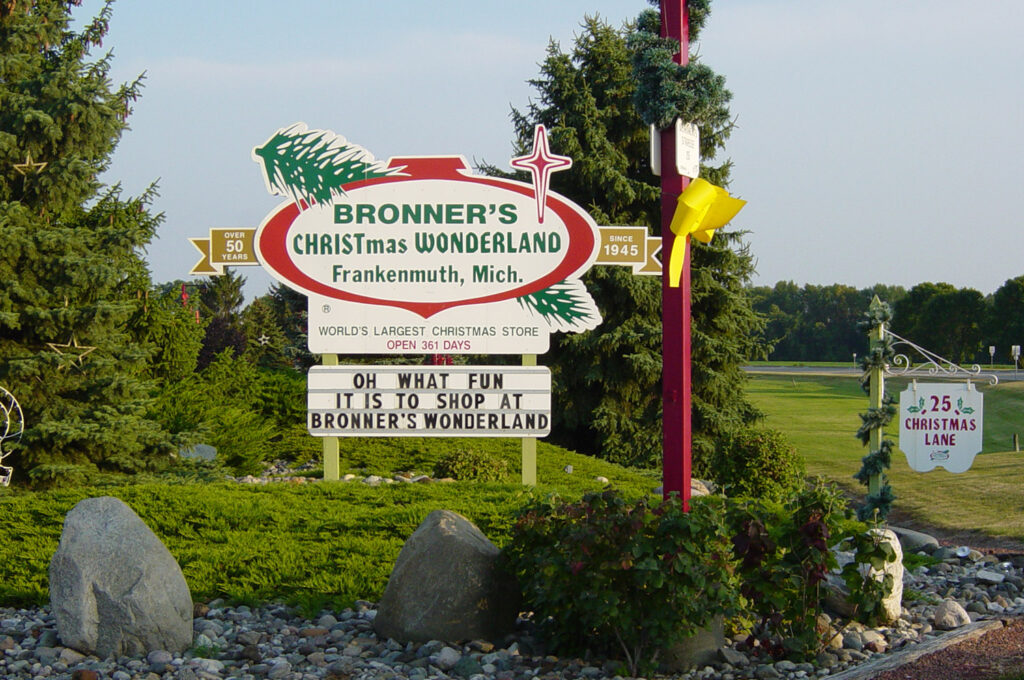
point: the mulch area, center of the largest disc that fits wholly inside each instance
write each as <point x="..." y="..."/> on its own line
<point x="998" y="654"/>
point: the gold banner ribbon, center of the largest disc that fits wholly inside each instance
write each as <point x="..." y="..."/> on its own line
<point x="702" y="208"/>
<point x="226" y="247"/>
<point x="631" y="247"/>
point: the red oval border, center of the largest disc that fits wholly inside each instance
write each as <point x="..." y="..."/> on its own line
<point x="271" y="241"/>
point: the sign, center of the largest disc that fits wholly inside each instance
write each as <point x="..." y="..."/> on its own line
<point x="630" y="246"/>
<point x="225" y="247"/>
<point x="940" y="425"/>
<point x="418" y="254"/>
<point x="429" y="401"/>
<point x="687" y="139"/>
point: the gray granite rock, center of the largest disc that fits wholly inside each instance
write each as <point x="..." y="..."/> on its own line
<point x="915" y="541"/>
<point x="115" y="589"/>
<point x="950" y="615"/>
<point x="446" y="585"/>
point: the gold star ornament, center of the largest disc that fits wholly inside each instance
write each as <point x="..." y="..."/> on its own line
<point x="72" y="350"/>
<point x="28" y="167"/>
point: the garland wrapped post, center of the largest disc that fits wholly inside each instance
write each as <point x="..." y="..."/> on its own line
<point x="879" y="414"/>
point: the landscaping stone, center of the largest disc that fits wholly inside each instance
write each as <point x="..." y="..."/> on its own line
<point x="446" y="585"/>
<point x="837" y="596"/>
<point x="950" y="615"/>
<point x="992" y="577"/>
<point x="915" y="541"/>
<point x="115" y="589"/>
<point x="199" y="452"/>
<point x="699" y="649"/>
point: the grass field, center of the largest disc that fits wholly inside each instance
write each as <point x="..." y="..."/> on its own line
<point x="820" y="416"/>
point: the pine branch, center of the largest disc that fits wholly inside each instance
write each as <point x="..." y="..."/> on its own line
<point x="313" y="166"/>
<point x="564" y="305"/>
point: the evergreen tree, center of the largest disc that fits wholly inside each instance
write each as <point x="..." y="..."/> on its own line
<point x="608" y="381"/>
<point x="265" y="339"/>
<point x="71" y="272"/>
<point x="173" y="331"/>
<point x="221" y="295"/>
<point x="289" y="308"/>
<point x="220" y="300"/>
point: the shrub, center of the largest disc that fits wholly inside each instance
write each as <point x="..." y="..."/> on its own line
<point x="607" y="574"/>
<point x="784" y="553"/>
<point x="249" y="414"/>
<point x="468" y="464"/>
<point x="865" y="577"/>
<point x="759" y="463"/>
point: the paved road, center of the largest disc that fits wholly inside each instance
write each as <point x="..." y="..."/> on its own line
<point x="1004" y="374"/>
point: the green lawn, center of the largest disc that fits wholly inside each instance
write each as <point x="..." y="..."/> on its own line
<point x="820" y="416"/>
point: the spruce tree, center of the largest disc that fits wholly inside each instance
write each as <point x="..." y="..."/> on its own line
<point x="608" y="381"/>
<point x="72" y="277"/>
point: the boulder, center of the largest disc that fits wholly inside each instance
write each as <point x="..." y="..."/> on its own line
<point x="837" y="595"/>
<point x="698" y="487"/>
<point x="700" y="649"/>
<point x="949" y="615"/>
<point x="446" y="585"/>
<point x="199" y="452"/>
<point x="915" y="541"/>
<point x="115" y="589"/>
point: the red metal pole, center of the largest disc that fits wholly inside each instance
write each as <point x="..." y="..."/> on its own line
<point x="677" y="437"/>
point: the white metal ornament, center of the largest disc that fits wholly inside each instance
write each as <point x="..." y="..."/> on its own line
<point x="934" y="366"/>
<point x="12" y="424"/>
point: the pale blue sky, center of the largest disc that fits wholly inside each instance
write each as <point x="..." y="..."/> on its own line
<point x="875" y="141"/>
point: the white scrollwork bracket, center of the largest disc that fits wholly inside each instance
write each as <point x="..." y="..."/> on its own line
<point x="933" y="366"/>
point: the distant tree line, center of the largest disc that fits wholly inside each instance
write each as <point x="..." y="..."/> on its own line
<point x="819" y="323"/>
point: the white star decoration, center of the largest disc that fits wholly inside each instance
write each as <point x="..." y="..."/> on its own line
<point x="541" y="163"/>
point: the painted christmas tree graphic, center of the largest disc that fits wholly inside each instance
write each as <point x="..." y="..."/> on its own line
<point x="563" y="306"/>
<point x="314" y="166"/>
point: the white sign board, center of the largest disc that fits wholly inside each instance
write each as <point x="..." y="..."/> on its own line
<point x="420" y="255"/>
<point x="940" y="425"/>
<point x="429" y="401"/>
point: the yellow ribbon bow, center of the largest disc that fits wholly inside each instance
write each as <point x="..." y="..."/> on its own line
<point x="702" y="208"/>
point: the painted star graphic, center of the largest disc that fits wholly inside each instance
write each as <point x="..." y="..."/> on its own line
<point x="72" y="349"/>
<point x="28" y="167"/>
<point x="541" y="163"/>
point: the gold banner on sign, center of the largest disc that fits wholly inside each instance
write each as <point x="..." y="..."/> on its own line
<point x="226" y="247"/>
<point x="632" y="247"/>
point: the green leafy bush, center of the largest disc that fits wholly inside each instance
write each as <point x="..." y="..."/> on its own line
<point x="759" y="463"/>
<point x="607" y="574"/>
<point x="867" y="592"/>
<point x="784" y="553"/>
<point x="469" y="464"/>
